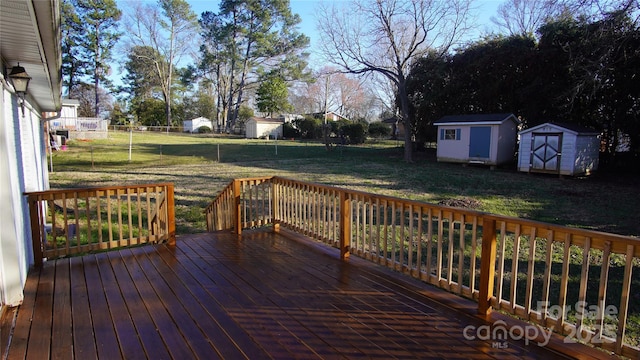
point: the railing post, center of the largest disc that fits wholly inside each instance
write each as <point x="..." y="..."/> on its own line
<point x="237" y="207"/>
<point x="487" y="266"/>
<point x="275" y="207"/>
<point x="345" y="225"/>
<point x="36" y="233"/>
<point x="171" y="216"/>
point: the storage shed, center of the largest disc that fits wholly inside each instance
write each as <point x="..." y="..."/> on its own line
<point x="195" y="124"/>
<point x="555" y="148"/>
<point x="259" y="127"/>
<point x="488" y="139"/>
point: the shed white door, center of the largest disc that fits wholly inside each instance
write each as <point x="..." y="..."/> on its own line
<point x="546" y="150"/>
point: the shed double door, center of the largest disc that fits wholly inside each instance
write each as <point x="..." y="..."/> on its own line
<point x="546" y="151"/>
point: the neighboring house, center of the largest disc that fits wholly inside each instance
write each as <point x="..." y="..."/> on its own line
<point x="289" y="118"/>
<point x="68" y="115"/>
<point x="30" y="36"/>
<point x="70" y="126"/>
<point x="563" y="149"/>
<point x="259" y="127"/>
<point x="488" y="139"/>
<point x="194" y="124"/>
<point x="329" y="115"/>
<point x="397" y="127"/>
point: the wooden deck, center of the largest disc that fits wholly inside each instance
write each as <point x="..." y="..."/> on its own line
<point x="257" y="296"/>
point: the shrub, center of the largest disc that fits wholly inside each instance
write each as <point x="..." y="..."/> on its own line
<point x="289" y="131"/>
<point x="356" y="133"/>
<point x="379" y="130"/>
<point x="309" y="128"/>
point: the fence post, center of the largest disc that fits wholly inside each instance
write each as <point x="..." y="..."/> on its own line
<point x="345" y="225"/>
<point x="36" y="234"/>
<point x="487" y="266"/>
<point x="238" y="206"/>
<point x="171" y="216"/>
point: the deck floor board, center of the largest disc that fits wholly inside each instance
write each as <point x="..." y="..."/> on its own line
<point x="257" y="296"/>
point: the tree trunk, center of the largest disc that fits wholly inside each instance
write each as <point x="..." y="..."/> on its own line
<point x="96" y="73"/>
<point x="404" y="110"/>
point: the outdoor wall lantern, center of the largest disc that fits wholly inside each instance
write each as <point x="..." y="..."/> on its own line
<point x="20" y="80"/>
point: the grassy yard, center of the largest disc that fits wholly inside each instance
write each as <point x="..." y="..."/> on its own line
<point x="200" y="166"/>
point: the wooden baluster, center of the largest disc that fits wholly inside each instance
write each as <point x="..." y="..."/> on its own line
<point x="547" y="278"/>
<point x="385" y="224"/>
<point x="237" y="207"/>
<point x="393" y="234"/>
<point x="429" y="242"/>
<point x="461" y="253"/>
<point x="500" y="257"/>
<point x="139" y="192"/>
<point x="584" y="279"/>
<point x="514" y="269"/>
<point x="129" y="217"/>
<point x="119" y="203"/>
<point x="474" y="245"/>
<point x="345" y="225"/>
<point x="401" y="238"/>
<point x="602" y="291"/>
<point x="564" y="282"/>
<point x="419" y="245"/>
<point x="530" y="273"/>
<point x="450" y="243"/>
<point x="488" y="265"/>
<point x="624" y="299"/>
<point x="439" y="249"/>
<point x="373" y="210"/>
<point x="171" y="215"/>
<point x="356" y="247"/>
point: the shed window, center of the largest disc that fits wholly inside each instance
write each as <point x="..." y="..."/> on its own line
<point x="450" y="134"/>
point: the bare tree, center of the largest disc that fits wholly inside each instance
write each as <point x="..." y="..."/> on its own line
<point x="386" y="36"/>
<point x="597" y="9"/>
<point x="524" y="17"/>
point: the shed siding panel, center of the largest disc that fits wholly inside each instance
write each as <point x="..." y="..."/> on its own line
<point x="251" y="129"/>
<point x="568" y="153"/>
<point x="454" y="150"/>
<point x="505" y="139"/>
<point x="524" y="152"/>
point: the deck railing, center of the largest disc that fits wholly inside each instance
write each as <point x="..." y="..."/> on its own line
<point x="579" y="283"/>
<point x="74" y="221"/>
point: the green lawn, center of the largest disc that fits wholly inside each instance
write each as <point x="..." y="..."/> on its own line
<point x="200" y="166"/>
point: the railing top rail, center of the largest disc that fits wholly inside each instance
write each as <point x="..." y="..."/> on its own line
<point x="563" y="229"/>
<point x="387" y="198"/>
<point x="556" y="228"/>
<point x="93" y="189"/>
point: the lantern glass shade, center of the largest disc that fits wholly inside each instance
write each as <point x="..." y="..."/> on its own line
<point x="19" y="79"/>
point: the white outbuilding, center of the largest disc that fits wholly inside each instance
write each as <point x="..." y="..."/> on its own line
<point x="259" y="127"/>
<point x="488" y="139"/>
<point x="194" y="124"/>
<point x="555" y="148"/>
